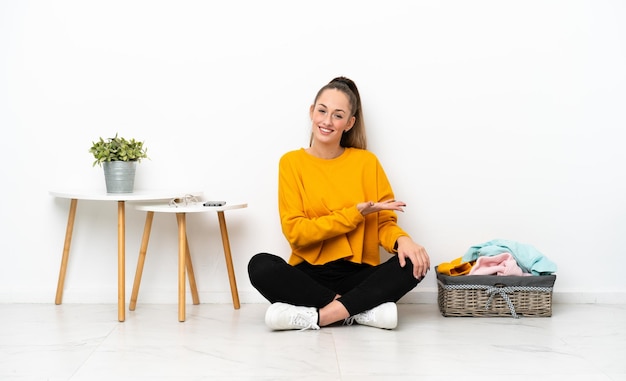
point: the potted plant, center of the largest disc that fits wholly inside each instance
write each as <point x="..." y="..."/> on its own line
<point x="119" y="157"/>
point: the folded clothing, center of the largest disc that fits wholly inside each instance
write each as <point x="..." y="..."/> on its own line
<point x="529" y="259"/>
<point x="455" y="267"/>
<point x="500" y="264"/>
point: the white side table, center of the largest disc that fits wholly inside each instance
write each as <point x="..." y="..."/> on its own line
<point x="184" y="257"/>
<point x="121" y="198"/>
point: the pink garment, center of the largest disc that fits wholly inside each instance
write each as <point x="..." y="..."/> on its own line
<point x="500" y="264"/>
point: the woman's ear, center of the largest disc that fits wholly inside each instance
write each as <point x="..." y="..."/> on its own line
<point x="311" y="111"/>
<point x="351" y="123"/>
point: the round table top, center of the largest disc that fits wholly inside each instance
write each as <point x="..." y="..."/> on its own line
<point x="195" y="207"/>
<point x="137" y="195"/>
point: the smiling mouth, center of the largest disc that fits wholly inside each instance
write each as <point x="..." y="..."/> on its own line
<point x="325" y="130"/>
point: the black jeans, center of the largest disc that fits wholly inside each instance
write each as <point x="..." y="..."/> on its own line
<point x="361" y="286"/>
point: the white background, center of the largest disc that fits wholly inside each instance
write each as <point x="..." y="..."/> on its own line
<point x="493" y="119"/>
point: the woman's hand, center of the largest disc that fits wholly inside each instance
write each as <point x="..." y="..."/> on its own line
<point x="407" y="248"/>
<point x="373" y="207"/>
<point x="416" y="253"/>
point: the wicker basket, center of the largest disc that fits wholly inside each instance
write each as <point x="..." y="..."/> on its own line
<point x="495" y="296"/>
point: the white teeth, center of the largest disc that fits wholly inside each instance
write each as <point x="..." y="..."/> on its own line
<point x="326" y="130"/>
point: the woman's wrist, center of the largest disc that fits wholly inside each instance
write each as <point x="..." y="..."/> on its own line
<point x="395" y="247"/>
<point x="362" y="207"/>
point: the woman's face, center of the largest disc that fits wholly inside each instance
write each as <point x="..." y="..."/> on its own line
<point x="331" y="116"/>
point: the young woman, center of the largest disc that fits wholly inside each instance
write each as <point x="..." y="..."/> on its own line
<point x="336" y="208"/>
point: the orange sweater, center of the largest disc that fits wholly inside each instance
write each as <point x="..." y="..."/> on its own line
<point x="317" y="204"/>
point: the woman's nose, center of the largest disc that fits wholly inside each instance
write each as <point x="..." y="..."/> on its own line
<point x="327" y="120"/>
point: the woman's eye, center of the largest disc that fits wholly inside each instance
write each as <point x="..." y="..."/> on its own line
<point x="338" y="116"/>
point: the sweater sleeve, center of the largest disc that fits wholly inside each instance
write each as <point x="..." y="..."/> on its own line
<point x="303" y="227"/>
<point x="388" y="229"/>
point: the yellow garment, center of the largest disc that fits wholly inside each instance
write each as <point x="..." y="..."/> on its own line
<point x="317" y="205"/>
<point x="455" y="267"/>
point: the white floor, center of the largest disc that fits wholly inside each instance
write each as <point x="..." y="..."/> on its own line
<point x="86" y="342"/>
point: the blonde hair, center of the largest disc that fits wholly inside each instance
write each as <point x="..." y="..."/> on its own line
<point x="355" y="137"/>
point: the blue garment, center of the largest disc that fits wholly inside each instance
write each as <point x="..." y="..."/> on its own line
<point x="527" y="257"/>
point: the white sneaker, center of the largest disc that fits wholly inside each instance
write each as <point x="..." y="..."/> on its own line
<point x="282" y="316"/>
<point x="383" y="316"/>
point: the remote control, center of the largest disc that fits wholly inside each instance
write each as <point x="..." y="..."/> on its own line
<point x="214" y="203"/>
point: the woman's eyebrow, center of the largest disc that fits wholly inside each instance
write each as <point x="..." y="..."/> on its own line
<point x="337" y="110"/>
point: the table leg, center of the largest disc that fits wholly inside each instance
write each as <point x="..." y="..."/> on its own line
<point x="229" y="259"/>
<point x="121" y="260"/>
<point x="142" y="259"/>
<point x="192" y="277"/>
<point x="182" y="251"/>
<point x="66" y="250"/>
